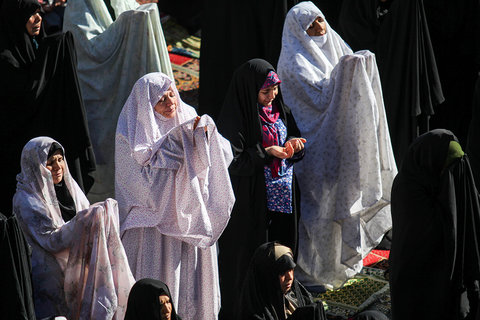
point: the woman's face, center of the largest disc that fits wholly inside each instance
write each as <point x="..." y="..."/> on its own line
<point x="34" y="23"/>
<point x="56" y="165"/>
<point x="317" y="28"/>
<point x="286" y="281"/>
<point x="168" y="104"/>
<point x="166" y="307"/>
<point x="267" y="95"/>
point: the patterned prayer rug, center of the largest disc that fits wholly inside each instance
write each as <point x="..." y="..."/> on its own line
<point x="184" y="52"/>
<point x="186" y="72"/>
<point x="181" y="41"/>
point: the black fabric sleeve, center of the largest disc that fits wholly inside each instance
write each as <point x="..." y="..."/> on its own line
<point x="247" y="159"/>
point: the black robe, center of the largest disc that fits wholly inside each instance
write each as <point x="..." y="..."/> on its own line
<point x="239" y="122"/>
<point x="434" y="260"/>
<point x="473" y="143"/>
<point x="401" y="42"/>
<point x="261" y="296"/>
<point x="232" y="33"/>
<point x="143" y="302"/>
<point x="39" y="96"/>
<point x="16" y="294"/>
<point x="455" y="32"/>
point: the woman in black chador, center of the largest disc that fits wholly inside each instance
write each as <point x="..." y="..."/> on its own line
<point x="270" y="290"/>
<point x="39" y="94"/>
<point x="150" y="299"/>
<point x="266" y="143"/>
<point x="435" y="262"/>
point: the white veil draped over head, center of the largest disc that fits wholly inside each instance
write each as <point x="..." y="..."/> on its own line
<point x="191" y="170"/>
<point x="141" y="124"/>
<point x="297" y="45"/>
<point x="112" y="56"/>
<point x="36" y="181"/>
<point x="348" y="169"/>
<point x="174" y="194"/>
<point x="74" y="264"/>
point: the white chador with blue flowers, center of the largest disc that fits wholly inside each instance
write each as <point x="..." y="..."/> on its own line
<point x="347" y="173"/>
<point x="174" y="194"/>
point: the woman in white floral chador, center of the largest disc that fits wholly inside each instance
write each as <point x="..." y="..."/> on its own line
<point x="347" y="174"/>
<point x="79" y="266"/>
<point x="174" y="194"/>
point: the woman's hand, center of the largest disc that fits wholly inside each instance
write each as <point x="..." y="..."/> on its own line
<point x="296" y="143"/>
<point x="195" y="123"/>
<point x="280" y="152"/>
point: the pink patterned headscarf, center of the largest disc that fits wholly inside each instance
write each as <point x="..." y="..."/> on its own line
<point x="272" y="79"/>
<point x="268" y="116"/>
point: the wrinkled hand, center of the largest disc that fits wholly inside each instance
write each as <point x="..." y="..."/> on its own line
<point x="297" y="144"/>
<point x="280" y="152"/>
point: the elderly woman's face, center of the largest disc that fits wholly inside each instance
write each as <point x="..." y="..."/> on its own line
<point x="166" y="307"/>
<point x="317" y="28"/>
<point x="56" y="165"/>
<point x="34" y="23"/>
<point x="168" y="104"/>
<point x="286" y="281"/>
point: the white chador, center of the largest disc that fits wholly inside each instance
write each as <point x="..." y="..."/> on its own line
<point x="112" y="55"/>
<point x="348" y="169"/>
<point x="174" y="194"/>
<point x="79" y="268"/>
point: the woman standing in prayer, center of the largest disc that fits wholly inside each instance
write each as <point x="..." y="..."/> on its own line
<point x="150" y="299"/>
<point x="348" y="172"/>
<point x="174" y="193"/>
<point x="435" y="261"/>
<point x="270" y="290"/>
<point x="266" y="143"/>
<point x="79" y="266"/>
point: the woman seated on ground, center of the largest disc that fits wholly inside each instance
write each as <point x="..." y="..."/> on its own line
<point x="271" y="292"/>
<point x="174" y="193"/>
<point x="79" y="266"/>
<point x="150" y="299"/>
<point x="348" y="171"/>
<point x="434" y="261"/>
